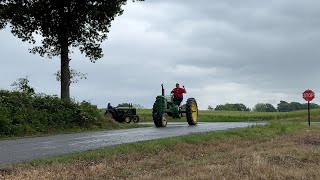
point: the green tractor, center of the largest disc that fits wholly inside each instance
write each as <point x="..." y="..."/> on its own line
<point x="165" y="107"/>
<point x="123" y="114"/>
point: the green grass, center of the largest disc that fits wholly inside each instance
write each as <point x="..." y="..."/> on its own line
<point x="257" y="132"/>
<point x="236" y="116"/>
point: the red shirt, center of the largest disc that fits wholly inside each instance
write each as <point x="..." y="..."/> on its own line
<point x="178" y="92"/>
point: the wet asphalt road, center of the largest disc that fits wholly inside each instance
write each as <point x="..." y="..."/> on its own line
<point x="26" y="149"/>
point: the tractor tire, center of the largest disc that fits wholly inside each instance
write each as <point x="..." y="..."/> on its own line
<point x="135" y="119"/>
<point x="154" y="111"/>
<point x="161" y="120"/>
<point x="192" y="111"/>
<point x="127" y="119"/>
<point x="154" y="114"/>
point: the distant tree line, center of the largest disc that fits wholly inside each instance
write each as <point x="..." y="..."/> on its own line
<point x="137" y="106"/>
<point x="264" y="107"/>
<point x="232" y="107"/>
<point x="283" y="106"/>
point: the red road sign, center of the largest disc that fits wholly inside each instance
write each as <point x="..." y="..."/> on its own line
<point x="308" y="95"/>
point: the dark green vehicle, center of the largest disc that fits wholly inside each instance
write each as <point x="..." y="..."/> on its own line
<point x="123" y="114"/>
<point x="165" y="107"/>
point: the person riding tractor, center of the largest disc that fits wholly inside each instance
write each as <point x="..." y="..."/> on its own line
<point x="177" y="93"/>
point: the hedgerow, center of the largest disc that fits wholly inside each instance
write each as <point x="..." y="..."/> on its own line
<point x="24" y="113"/>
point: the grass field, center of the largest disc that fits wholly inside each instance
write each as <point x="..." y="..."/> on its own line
<point x="236" y="116"/>
<point x="274" y="151"/>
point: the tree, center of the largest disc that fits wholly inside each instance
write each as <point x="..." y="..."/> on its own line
<point x="74" y="76"/>
<point x="312" y="106"/>
<point x="138" y="106"/>
<point x="295" y="106"/>
<point x="260" y="107"/>
<point x="264" y="107"/>
<point x="232" y="107"/>
<point x="62" y="24"/>
<point x="210" y="108"/>
<point x="270" y="108"/>
<point x="242" y="107"/>
<point x="219" y="108"/>
<point x="22" y="85"/>
<point x="124" y="105"/>
<point x="283" y="106"/>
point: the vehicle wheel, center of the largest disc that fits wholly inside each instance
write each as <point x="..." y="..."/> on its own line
<point x="135" y="119"/>
<point x="161" y="120"/>
<point x="127" y="119"/>
<point x="154" y="111"/>
<point x="155" y="115"/>
<point x="192" y="111"/>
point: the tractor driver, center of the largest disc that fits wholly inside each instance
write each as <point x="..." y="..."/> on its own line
<point x="178" y="94"/>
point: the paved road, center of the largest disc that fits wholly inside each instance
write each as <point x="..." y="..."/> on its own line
<point x="26" y="149"/>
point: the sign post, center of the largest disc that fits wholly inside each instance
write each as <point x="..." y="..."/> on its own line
<point x="308" y="95"/>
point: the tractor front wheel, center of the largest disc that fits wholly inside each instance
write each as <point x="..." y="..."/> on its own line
<point x="192" y="111"/>
<point x="135" y="119"/>
<point x="160" y="120"/>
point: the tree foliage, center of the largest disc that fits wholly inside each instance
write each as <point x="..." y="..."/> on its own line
<point x="25" y="114"/>
<point x="124" y="105"/>
<point x="210" y="108"/>
<point x="81" y="23"/>
<point x="284" y="106"/>
<point x="22" y="85"/>
<point x="137" y="106"/>
<point x="62" y="25"/>
<point x="232" y="107"/>
<point x="74" y="75"/>
<point x="264" y="107"/>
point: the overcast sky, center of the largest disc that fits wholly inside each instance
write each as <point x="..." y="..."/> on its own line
<point x="226" y="51"/>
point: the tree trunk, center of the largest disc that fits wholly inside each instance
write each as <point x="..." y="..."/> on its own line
<point x="65" y="71"/>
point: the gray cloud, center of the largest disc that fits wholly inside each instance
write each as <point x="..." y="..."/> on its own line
<point x="222" y="51"/>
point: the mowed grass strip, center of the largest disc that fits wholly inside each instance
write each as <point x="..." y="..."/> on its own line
<point x="237" y="116"/>
<point x="275" y="151"/>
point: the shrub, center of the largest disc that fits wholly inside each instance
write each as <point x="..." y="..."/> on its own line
<point x="23" y="113"/>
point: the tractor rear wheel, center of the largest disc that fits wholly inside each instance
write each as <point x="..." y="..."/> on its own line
<point x="192" y="111"/>
<point x="127" y="119"/>
<point x="135" y="119"/>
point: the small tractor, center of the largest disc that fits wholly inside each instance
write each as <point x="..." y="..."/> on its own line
<point x="165" y="107"/>
<point x="123" y="114"/>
